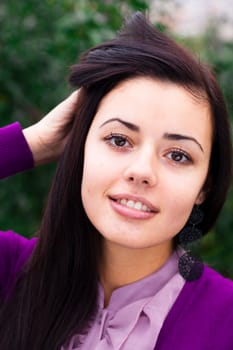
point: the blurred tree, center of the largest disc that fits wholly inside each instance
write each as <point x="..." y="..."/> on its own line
<point x="39" y="40"/>
<point x="217" y="246"/>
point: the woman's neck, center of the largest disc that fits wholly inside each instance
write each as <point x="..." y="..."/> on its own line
<point x="121" y="266"/>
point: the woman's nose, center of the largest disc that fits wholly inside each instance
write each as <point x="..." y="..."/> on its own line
<point x="141" y="171"/>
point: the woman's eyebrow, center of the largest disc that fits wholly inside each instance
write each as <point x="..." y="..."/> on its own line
<point x="182" y="137"/>
<point x="167" y="136"/>
<point x="130" y="126"/>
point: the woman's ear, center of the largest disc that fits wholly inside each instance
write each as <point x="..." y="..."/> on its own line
<point x="204" y="192"/>
<point x="201" y="197"/>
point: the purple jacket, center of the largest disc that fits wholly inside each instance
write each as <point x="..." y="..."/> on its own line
<point x="200" y="319"/>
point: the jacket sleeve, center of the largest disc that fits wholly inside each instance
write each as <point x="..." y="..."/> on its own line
<point x="15" y="251"/>
<point x="16" y="155"/>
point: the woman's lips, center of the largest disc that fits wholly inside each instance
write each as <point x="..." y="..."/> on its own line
<point x="132" y="206"/>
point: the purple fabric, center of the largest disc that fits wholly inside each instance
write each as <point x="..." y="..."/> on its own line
<point x="15" y="153"/>
<point x="16" y="156"/>
<point x="202" y="316"/>
<point x="15" y="250"/>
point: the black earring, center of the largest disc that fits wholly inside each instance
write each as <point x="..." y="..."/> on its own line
<point x="190" y="233"/>
<point x="190" y="266"/>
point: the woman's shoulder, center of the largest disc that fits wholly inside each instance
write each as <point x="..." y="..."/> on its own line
<point x="216" y="285"/>
<point x="202" y="316"/>
<point x="212" y="292"/>
<point x="215" y="277"/>
<point x="14" y="252"/>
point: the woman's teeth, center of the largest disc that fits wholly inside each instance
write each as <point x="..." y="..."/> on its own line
<point x="135" y="205"/>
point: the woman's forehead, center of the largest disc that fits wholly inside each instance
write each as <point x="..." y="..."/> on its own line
<point x="144" y="97"/>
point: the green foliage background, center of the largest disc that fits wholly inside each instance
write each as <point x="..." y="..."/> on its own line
<point x="39" y="40"/>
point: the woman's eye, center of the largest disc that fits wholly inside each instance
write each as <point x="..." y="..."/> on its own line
<point x="117" y="141"/>
<point x="179" y="156"/>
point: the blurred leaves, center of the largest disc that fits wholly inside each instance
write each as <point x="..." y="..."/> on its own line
<point x="39" y="41"/>
<point x="220" y="55"/>
<point x="217" y="246"/>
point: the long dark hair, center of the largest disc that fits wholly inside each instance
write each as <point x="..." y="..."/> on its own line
<point x="55" y="294"/>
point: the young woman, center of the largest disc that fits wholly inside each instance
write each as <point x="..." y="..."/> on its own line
<point x="142" y="172"/>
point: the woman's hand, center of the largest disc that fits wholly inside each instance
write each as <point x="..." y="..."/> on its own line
<point x="47" y="138"/>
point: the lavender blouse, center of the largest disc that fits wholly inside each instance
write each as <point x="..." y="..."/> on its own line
<point x="135" y="313"/>
<point x="159" y="312"/>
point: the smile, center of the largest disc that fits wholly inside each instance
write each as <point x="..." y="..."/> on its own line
<point x="134" y="204"/>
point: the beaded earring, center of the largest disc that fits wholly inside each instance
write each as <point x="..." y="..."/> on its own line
<point x="190" y="266"/>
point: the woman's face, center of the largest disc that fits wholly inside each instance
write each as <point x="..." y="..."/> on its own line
<point x="146" y="160"/>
